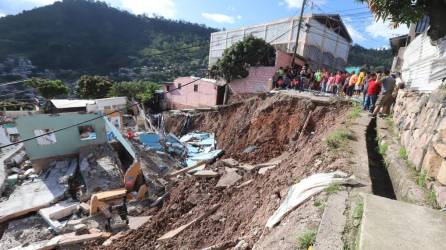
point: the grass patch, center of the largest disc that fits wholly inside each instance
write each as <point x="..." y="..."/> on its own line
<point x="338" y="138"/>
<point x="307" y="239"/>
<point x="421" y="179"/>
<point x="354" y="113"/>
<point x="359" y="210"/>
<point x="402" y="153"/>
<point x="333" y="188"/>
<point x="382" y="148"/>
<point x="431" y="199"/>
<point x="319" y="204"/>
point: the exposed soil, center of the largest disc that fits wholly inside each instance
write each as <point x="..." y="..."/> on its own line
<point x="272" y="124"/>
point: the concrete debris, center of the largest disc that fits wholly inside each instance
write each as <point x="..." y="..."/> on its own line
<point x="300" y="192"/>
<point x="63" y="241"/>
<point x="206" y="174"/>
<point x="40" y="192"/>
<point x="100" y="168"/>
<point x="228" y="179"/>
<point x="265" y="169"/>
<point x="24" y="231"/>
<point x="53" y="214"/>
<point x="187" y="169"/>
<point x="244" y="184"/>
<point x="138" y="221"/>
<point x="201" y="147"/>
<point x="230" y="162"/>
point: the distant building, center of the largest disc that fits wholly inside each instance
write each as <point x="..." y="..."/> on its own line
<point x="420" y="60"/>
<point x="90" y="106"/>
<point x="324" y="40"/>
<point x="201" y="93"/>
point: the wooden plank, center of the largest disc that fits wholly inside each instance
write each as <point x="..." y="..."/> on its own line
<point x="131" y="174"/>
<point x="110" y="195"/>
<point x="184" y="170"/>
<point x="177" y="231"/>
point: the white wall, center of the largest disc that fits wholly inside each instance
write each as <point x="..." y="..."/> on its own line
<point x="424" y="64"/>
<point x="107" y="103"/>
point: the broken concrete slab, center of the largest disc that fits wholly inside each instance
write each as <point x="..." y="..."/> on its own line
<point x="136" y="222"/>
<point x="58" y="211"/>
<point x="331" y="228"/>
<point x="63" y="241"/>
<point x="390" y="224"/>
<point x="228" y="179"/>
<point x="244" y="184"/>
<point x="24" y="231"/>
<point x="100" y="168"/>
<point x="4" y="158"/>
<point x="40" y="192"/>
<point x="206" y="174"/>
<point x="187" y="169"/>
<point x="246" y="167"/>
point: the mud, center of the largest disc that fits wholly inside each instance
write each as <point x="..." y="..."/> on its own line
<point x="272" y="124"/>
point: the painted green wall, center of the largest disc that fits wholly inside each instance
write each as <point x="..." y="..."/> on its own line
<point x="68" y="140"/>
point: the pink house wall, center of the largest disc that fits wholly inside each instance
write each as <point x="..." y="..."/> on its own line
<point x="258" y="81"/>
<point x="186" y="97"/>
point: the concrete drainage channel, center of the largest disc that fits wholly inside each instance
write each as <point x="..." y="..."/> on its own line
<point x="381" y="182"/>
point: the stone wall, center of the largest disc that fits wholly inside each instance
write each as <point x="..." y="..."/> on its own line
<point x="420" y="119"/>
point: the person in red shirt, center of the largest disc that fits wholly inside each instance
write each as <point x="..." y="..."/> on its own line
<point x="372" y="93"/>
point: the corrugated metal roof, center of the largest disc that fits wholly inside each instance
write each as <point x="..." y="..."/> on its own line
<point x="71" y="103"/>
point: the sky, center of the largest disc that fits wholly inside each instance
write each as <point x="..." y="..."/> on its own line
<point x="229" y="14"/>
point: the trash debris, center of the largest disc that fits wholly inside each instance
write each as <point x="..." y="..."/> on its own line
<point x="306" y="188"/>
<point x="201" y="147"/>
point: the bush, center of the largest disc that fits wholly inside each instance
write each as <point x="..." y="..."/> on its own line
<point x="338" y="138"/>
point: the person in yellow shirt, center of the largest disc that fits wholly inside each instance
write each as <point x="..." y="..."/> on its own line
<point x="359" y="83"/>
<point x="352" y="83"/>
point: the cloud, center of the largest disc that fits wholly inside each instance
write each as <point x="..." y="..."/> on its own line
<point x="164" y="8"/>
<point x="220" y="18"/>
<point x="356" y="35"/>
<point x="2" y="14"/>
<point x="298" y="3"/>
<point x="384" y="30"/>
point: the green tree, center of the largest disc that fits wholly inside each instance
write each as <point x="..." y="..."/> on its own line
<point x="141" y="91"/>
<point x="410" y="11"/>
<point x="93" y="87"/>
<point x="240" y="56"/>
<point x="48" y="88"/>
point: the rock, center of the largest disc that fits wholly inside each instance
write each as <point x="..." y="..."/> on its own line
<point x="440" y="148"/>
<point x="228" y="179"/>
<point x="441" y="176"/>
<point x="265" y="169"/>
<point x="440" y="193"/>
<point x="244" y="184"/>
<point x="432" y="162"/>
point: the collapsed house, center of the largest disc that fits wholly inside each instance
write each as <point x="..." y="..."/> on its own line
<point x="83" y="179"/>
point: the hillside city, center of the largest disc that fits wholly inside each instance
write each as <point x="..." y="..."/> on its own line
<point x="133" y="125"/>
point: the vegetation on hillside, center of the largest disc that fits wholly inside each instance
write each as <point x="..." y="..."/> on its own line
<point x="48" y="88"/>
<point x="140" y="91"/>
<point x="93" y="38"/>
<point x="93" y="87"/>
<point x="360" y="56"/>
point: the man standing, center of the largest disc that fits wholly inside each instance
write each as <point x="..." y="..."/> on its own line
<point x="387" y="83"/>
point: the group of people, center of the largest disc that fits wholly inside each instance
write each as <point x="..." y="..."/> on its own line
<point x="377" y="88"/>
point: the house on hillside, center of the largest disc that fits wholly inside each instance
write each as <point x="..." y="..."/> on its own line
<point x="324" y="40"/>
<point x="202" y="92"/>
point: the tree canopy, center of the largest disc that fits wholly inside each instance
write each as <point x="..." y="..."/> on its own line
<point x="411" y="11"/>
<point x="237" y="59"/>
<point x="360" y="56"/>
<point x="140" y="91"/>
<point x="48" y="88"/>
<point x="93" y="87"/>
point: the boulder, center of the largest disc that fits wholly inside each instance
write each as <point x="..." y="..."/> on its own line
<point x="432" y="162"/>
<point x="441" y="176"/>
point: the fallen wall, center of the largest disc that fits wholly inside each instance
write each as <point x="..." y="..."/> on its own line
<point x="420" y="120"/>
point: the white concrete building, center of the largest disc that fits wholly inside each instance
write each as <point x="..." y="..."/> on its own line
<point x="107" y="104"/>
<point x="323" y="40"/>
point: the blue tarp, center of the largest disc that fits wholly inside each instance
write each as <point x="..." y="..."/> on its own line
<point x="151" y="141"/>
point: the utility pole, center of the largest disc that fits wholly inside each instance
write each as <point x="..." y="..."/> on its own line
<point x="298" y="31"/>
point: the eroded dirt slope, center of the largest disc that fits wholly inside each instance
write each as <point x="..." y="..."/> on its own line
<point x="272" y="123"/>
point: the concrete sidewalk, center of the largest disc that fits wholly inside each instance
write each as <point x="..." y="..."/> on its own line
<point x="389" y="224"/>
